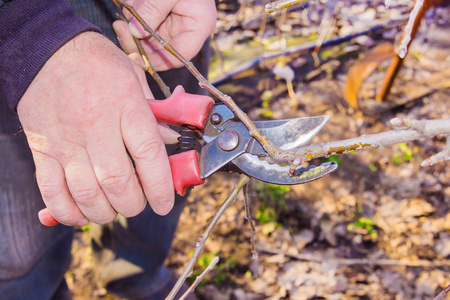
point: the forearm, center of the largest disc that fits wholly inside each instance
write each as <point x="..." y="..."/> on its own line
<point x="30" y="32"/>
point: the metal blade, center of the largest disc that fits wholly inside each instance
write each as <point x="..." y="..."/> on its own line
<point x="287" y="134"/>
<point x="262" y="170"/>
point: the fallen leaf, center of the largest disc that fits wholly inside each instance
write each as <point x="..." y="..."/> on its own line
<point x="363" y="68"/>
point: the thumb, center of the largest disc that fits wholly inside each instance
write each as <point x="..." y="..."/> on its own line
<point x="153" y="13"/>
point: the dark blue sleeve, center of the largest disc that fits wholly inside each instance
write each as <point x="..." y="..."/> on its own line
<point x="30" y="32"/>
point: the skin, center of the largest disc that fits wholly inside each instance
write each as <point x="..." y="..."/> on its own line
<point x="187" y="25"/>
<point x="87" y="107"/>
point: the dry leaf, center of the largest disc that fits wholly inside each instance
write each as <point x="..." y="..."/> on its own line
<point x="363" y="68"/>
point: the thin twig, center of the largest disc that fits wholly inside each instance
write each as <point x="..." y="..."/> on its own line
<point x="200" y="277"/>
<point x="270" y="148"/>
<point x="327" y="25"/>
<point x="443" y="293"/>
<point x="410" y="28"/>
<point x="260" y="39"/>
<point x="147" y="64"/>
<point x="281" y="4"/>
<point x="243" y="180"/>
<point x="359" y="261"/>
<point x="248" y="216"/>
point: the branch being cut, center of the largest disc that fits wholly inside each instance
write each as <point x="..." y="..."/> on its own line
<point x="254" y="132"/>
<point x="243" y="180"/>
<point x="414" y="130"/>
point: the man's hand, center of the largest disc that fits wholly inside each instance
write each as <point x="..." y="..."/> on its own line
<point x="84" y="110"/>
<point x="185" y="24"/>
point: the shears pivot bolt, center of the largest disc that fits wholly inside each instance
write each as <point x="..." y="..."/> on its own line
<point x="228" y="140"/>
<point x="216" y="119"/>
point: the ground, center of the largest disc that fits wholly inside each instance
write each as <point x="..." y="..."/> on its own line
<point x="379" y="226"/>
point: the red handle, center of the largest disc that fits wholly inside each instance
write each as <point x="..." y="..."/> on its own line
<point x="182" y="108"/>
<point x="185" y="171"/>
<point x="179" y="109"/>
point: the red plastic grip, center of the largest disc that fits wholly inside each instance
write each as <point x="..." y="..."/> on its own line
<point x="185" y="171"/>
<point x="46" y="218"/>
<point x="182" y="108"/>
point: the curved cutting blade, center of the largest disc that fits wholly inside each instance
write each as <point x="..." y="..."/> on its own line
<point x="288" y="134"/>
<point x="285" y="135"/>
<point x="273" y="173"/>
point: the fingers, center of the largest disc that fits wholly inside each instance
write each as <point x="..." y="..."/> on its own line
<point x="168" y="135"/>
<point x="115" y="174"/>
<point x="153" y="12"/>
<point x="184" y="24"/>
<point x="124" y="36"/>
<point x="141" y="135"/>
<point x="86" y="192"/>
<point x="52" y="184"/>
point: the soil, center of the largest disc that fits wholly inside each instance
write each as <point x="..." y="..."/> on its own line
<point x="376" y="228"/>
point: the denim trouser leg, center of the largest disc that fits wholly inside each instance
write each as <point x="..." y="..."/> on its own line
<point x="33" y="258"/>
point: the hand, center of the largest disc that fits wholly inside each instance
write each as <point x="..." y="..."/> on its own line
<point x="83" y="111"/>
<point x="185" y="24"/>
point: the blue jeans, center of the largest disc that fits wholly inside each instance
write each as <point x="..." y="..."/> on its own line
<point x="129" y="253"/>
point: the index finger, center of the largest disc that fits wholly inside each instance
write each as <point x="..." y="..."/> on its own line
<point x="146" y="147"/>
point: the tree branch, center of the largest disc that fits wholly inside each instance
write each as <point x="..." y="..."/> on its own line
<point x="254" y="132"/>
<point x="243" y="180"/>
<point x="147" y="65"/>
<point x="200" y="277"/>
<point x="414" y="130"/>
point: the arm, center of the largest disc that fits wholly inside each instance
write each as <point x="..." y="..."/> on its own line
<point x="83" y="107"/>
<point x="30" y="32"/>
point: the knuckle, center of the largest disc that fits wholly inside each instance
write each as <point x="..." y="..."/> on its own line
<point x="85" y="195"/>
<point x="149" y="149"/>
<point x="50" y="190"/>
<point x="116" y="184"/>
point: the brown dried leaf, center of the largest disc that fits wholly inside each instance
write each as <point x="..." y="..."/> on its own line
<point x="363" y="68"/>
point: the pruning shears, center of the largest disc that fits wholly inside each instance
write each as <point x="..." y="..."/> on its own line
<point x="228" y="145"/>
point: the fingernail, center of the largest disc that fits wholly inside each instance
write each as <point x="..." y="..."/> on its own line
<point x="163" y="208"/>
<point x="135" y="28"/>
